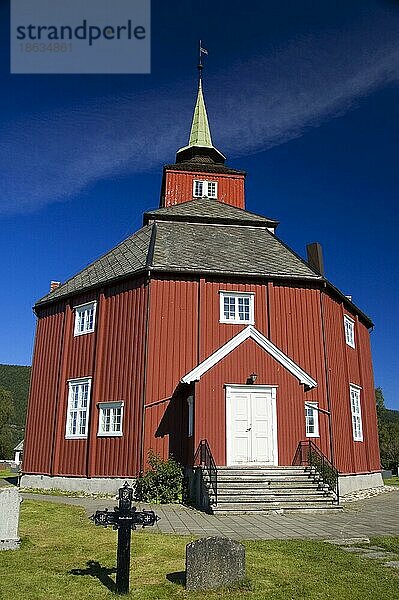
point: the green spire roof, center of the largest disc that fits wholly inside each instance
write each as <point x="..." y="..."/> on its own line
<point x="200" y="134"/>
<point x="200" y="141"/>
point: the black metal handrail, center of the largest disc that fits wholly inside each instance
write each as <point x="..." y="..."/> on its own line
<point x="204" y="459"/>
<point x="307" y="453"/>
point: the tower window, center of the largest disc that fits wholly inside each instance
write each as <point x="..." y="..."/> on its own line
<point x="237" y="307"/>
<point x="205" y="189"/>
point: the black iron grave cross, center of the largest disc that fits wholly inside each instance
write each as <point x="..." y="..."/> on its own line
<point x="124" y="518"/>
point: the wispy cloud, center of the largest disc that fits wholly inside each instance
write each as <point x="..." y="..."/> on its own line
<point x="51" y="157"/>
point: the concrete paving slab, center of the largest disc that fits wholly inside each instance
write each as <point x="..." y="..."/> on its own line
<point x="354" y="525"/>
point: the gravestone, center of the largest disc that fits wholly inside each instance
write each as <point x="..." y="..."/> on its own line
<point x="10" y="501"/>
<point x="214" y="562"/>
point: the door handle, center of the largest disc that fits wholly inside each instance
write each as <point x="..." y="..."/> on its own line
<point x="249" y="429"/>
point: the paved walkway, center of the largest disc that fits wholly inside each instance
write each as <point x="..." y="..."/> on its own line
<point x="365" y="518"/>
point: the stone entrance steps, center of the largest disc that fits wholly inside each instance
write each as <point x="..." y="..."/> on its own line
<point x="270" y="489"/>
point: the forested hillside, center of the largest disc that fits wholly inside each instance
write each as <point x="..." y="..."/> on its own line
<point x="14" y="390"/>
<point x="388" y="429"/>
<point x="15" y="379"/>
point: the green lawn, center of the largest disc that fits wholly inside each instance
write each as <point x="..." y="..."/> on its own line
<point x="59" y="543"/>
<point x="7" y="473"/>
<point x="392" y="481"/>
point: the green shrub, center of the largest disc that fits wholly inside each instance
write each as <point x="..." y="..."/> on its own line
<point x="163" y="483"/>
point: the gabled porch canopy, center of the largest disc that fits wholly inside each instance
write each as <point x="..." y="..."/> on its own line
<point x="250" y="332"/>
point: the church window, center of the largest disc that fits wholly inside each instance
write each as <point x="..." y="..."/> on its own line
<point x="311" y="419"/>
<point x="190" y="402"/>
<point x="110" y="418"/>
<point x="85" y="317"/>
<point x="349" y="325"/>
<point x="204" y="189"/>
<point x="356" y="411"/>
<point x="78" y="408"/>
<point x="237" y="307"/>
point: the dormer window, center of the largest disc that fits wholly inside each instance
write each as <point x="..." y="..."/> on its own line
<point x="205" y="189"/>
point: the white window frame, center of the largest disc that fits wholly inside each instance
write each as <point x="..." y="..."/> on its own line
<point x="236" y="295"/>
<point x="190" y="424"/>
<point x="84" y="309"/>
<point x="312" y="406"/>
<point x="101" y="432"/>
<point x="356" y="412"/>
<point x="205" y="189"/>
<point x="72" y="383"/>
<point x="349" y="326"/>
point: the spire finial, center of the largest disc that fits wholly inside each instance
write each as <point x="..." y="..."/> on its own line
<point x="200" y="65"/>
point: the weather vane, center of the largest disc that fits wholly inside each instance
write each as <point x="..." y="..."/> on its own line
<point x="201" y="52"/>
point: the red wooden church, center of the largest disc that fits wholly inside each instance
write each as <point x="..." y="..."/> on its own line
<point x="202" y="326"/>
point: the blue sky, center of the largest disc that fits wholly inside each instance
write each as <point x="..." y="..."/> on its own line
<point x="304" y="96"/>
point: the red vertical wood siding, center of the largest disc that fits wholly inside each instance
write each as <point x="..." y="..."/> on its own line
<point x="172" y="351"/>
<point x="113" y="355"/>
<point x="77" y="362"/>
<point x="179" y="187"/>
<point x="348" y="365"/>
<point x="183" y="329"/>
<point x="370" y="427"/>
<point x="296" y="328"/>
<point x="119" y="375"/>
<point x="42" y="403"/>
<point x="294" y="317"/>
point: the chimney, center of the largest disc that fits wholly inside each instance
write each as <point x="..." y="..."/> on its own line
<point x="54" y="285"/>
<point x="315" y="257"/>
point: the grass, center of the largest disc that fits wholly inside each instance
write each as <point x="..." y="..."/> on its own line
<point x="392" y="481"/>
<point x="63" y="555"/>
<point x="7" y="473"/>
<point x="67" y="493"/>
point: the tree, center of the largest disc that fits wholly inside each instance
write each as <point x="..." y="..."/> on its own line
<point x="388" y="432"/>
<point x="6" y="417"/>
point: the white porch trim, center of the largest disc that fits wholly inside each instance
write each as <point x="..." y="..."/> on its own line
<point x="258" y="337"/>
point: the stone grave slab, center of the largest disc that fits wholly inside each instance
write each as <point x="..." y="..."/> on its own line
<point x="377" y="555"/>
<point x="10" y="501"/>
<point x="355" y="550"/>
<point x="348" y="541"/>
<point x="394" y="564"/>
<point x="214" y="562"/>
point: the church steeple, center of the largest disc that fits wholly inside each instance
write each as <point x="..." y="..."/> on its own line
<point x="200" y="147"/>
<point x="200" y="134"/>
<point x="199" y="172"/>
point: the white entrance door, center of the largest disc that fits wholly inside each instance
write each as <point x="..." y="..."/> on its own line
<point x="251" y="425"/>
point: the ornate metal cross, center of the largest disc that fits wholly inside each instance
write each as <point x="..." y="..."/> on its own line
<point x="124" y="518"/>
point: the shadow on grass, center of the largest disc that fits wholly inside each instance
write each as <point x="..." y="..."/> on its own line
<point x="178" y="577"/>
<point x="94" y="569"/>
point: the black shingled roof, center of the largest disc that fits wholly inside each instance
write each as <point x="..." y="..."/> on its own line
<point x="199" y="236"/>
<point x="127" y="258"/>
<point x="207" y="210"/>
<point x="232" y="249"/>
<point x="203" y="167"/>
